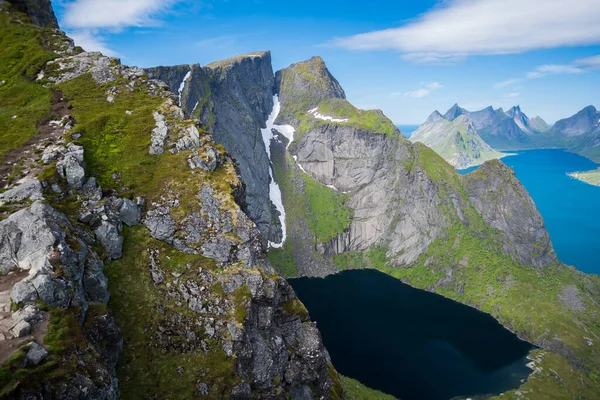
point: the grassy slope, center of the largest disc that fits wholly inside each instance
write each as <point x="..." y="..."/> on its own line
<point x="22" y="56"/>
<point x="591" y="177"/>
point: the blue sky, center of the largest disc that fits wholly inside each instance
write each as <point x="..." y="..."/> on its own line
<point x="407" y="57"/>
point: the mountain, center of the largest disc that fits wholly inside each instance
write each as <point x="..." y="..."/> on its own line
<point x="455" y="140"/>
<point x="535" y="125"/>
<point x="586" y="121"/>
<point x="133" y="253"/>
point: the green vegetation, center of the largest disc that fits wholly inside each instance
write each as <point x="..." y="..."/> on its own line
<point x="143" y="366"/>
<point x="357" y="391"/>
<point x="283" y="260"/>
<point x="295" y="307"/>
<point x="372" y="121"/>
<point x="374" y="258"/>
<point x="114" y="141"/>
<point x="21" y="58"/>
<point x="327" y="215"/>
<point x="591" y="177"/>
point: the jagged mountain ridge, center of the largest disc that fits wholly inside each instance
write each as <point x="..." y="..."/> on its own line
<point x="180" y="205"/>
<point x="191" y="288"/>
<point x="455" y="140"/>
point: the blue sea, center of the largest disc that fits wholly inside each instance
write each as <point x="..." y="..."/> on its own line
<point x="570" y="208"/>
<point x="407" y="130"/>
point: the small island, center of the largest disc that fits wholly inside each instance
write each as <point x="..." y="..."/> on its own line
<point x="591" y="177"/>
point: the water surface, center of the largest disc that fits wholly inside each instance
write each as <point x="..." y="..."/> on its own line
<point x="407" y="130"/>
<point x="411" y="343"/>
<point x="570" y="208"/>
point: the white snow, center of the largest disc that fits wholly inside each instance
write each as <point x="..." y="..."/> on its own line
<point x="183" y="83"/>
<point x="196" y="106"/>
<point x="300" y="165"/>
<point x="315" y="113"/>
<point x="332" y="187"/>
<point x="274" y="190"/>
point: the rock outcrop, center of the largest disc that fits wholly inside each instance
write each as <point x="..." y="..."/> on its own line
<point x="403" y="197"/>
<point x="40" y="11"/>
<point x="233" y="99"/>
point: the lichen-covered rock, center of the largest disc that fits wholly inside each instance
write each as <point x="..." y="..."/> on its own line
<point x="40" y="11"/>
<point x="109" y="236"/>
<point x="71" y="166"/>
<point x="30" y="189"/>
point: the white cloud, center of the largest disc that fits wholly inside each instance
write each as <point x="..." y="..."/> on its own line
<point x="589" y="62"/>
<point x="512" y="95"/>
<point x="507" y="83"/>
<point x="90" y="41"/>
<point x="544" y="70"/>
<point x="114" y="14"/>
<point x="424" y="91"/>
<point x="461" y="28"/>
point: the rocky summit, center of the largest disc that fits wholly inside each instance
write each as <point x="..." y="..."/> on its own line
<point x="149" y="218"/>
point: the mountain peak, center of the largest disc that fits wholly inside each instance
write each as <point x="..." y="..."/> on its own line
<point x="454" y="112"/>
<point x="303" y="85"/>
<point x="263" y="55"/>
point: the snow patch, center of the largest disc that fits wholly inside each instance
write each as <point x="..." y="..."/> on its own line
<point x="332" y="187"/>
<point x="274" y="190"/>
<point x="315" y="113"/>
<point x="196" y="106"/>
<point x="183" y="83"/>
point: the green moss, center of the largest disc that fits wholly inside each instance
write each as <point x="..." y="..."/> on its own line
<point x="115" y="142"/>
<point x="143" y="366"/>
<point x="357" y="391"/>
<point x="295" y="307"/>
<point x="283" y="260"/>
<point x="327" y="215"/>
<point x="374" y="258"/>
<point x="22" y="56"/>
<point x="372" y="121"/>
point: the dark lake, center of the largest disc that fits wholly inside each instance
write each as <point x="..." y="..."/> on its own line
<point x="410" y="343"/>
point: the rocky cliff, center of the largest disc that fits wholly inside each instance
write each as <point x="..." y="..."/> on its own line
<point x="402" y="198"/>
<point x="120" y="190"/>
<point x="233" y="99"/>
<point x="456" y="141"/>
<point x="39" y="11"/>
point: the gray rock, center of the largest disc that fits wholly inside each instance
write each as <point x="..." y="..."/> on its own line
<point x="71" y="166"/>
<point x="241" y="391"/>
<point x="45" y="288"/>
<point x="95" y="282"/>
<point x="31" y="189"/>
<point x="22" y="329"/>
<point x="202" y="389"/>
<point x="36" y="354"/>
<point x="159" y="134"/>
<point x="40" y="12"/>
<point x="129" y="213"/>
<point x="108" y="235"/>
<point x="161" y="224"/>
<point x="23" y="292"/>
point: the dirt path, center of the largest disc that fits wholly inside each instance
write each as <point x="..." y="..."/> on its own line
<point x="49" y="132"/>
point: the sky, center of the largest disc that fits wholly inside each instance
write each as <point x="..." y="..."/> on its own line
<point x="407" y="57"/>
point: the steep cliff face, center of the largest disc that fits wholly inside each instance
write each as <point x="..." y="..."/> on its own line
<point x="233" y="99"/>
<point x="402" y="196"/>
<point x="39" y="11"/>
<point x="124" y="191"/>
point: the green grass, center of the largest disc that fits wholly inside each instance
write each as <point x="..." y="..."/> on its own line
<point x="327" y="216"/>
<point x="283" y="260"/>
<point x="357" y="391"/>
<point x="22" y="56"/>
<point x="591" y="177"/>
<point x="113" y="140"/>
<point x="144" y="367"/>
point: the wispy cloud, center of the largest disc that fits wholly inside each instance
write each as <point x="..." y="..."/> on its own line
<point x="88" y="21"/>
<point x="92" y="41"/>
<point x="544" y="70"/>
<point x="114" y="14"/>
<point x="512" y="95"/>
<point x="576" y="67"/>
<point x="424" y="91"/>
<point x="461" y="28"/>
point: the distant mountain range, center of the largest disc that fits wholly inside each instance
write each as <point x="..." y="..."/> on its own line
<point x="490" y="130"/>
<point x="454" y="137"/>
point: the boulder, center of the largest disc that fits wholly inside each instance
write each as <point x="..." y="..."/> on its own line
<point x="31" y="189"/>
<point x="36" y="354"/>
<point x="45" y="288"/>
<point x="22" y="329"/>
<point x="71" y="166"/>
<point x="129" y="213"/>
<point x="108" y="235"/>
<point x="23" y="292"/>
